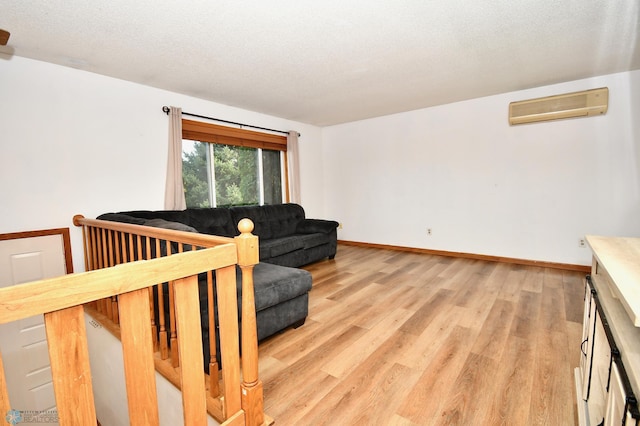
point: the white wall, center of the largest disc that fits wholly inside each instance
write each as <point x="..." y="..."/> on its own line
<point x="109" y="388"/>
<point x="73" y="142"/>
<point x="529" y="191"/>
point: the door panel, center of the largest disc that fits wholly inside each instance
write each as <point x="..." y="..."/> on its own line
<point x="587" y="343"/>
<point x="26" y="257"/>
<point x="601" y="362"/>
<point x="616" y="400"/>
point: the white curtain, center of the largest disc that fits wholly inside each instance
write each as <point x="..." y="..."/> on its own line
<point x="174" y="189"/>
<point x="294" y="167"/>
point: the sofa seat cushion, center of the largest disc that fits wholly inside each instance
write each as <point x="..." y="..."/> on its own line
<point x="313" y="240"/>
<point x="276" y="284"/>
<point x="272" y="285"/>
<point x="281" y="300"/>
<point x="280" y="246"/>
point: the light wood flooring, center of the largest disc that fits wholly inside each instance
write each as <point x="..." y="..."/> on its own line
<point x="396" y="338"/>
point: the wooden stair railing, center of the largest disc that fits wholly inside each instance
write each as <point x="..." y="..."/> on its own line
<point x="107" y="244"/>
<point x="61" y="301"/>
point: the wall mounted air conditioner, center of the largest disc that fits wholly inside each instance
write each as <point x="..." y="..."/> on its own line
<point x="569" y="105"/>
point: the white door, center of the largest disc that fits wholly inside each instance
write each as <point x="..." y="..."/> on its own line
<point x="23" y="343"/>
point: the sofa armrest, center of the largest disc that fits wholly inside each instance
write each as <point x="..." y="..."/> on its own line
<point x="311" y="226"/>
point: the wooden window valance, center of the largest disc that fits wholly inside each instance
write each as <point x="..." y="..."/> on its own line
<point x="213" y="133"/>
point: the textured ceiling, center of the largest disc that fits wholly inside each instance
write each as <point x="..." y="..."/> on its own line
<point x="330" y="61"/>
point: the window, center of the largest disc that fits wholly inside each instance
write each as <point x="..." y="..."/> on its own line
<point x="222" y="166"/>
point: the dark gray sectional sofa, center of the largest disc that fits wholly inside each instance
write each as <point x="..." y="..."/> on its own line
<point x="286" y="240"/>
<point x="286" y="236"/>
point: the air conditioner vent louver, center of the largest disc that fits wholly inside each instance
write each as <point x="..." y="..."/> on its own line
<point x="569" y="105"/>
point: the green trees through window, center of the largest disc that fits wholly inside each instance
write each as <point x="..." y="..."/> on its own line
<point x="225" y="175"/>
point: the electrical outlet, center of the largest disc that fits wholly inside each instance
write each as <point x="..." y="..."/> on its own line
<point x="429" y="231"/>
<point x="582" y="243"/>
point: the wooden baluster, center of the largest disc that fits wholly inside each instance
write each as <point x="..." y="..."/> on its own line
<point x="108" y="308"/>
<point x="110" y="247"/>
<point x="229" y="341"/>
<point x="104" y="248"/>
<point x="69" y="357"/>
<point x="194" y="393"/>
<point x="109" y="262"/>
<point x="85" y="247"/>
<point x="89" y="261"/>
<point x="214" y="377"/>
<point x="99" y="256"/>
<point x="128" y="256"/>
<point x="173" y="329"/>
<point x="173" y="334"/>
<point x="162" y="335"/>
<point x="137" y="353"/>
<point x="154" y="327"/>
<point x="98" y="263"/>
<point x="114" y="309"/>
<point x="94" y="250"/>
<point x="131" y="249"/>
<point x="118" y="242"/>
<point x="118" y="239"/>
<point x="94" y="260"/>
<point x="252" y="393"/>
<point x="139" y="246"/>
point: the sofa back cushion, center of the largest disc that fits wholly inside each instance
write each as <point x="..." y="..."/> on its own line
<point x="168" y="215"/>
<point x="175" y="226"/>
<point x="210" y="221"/>
<point x="121" y="217"/>
<point x="271" y="221"/>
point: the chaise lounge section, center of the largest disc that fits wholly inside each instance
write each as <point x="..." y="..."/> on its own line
<point x="286" y="240"/>
<point x="281" y="301"/>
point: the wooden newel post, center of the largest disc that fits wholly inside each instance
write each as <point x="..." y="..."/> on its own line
<point x="248" y="256"/>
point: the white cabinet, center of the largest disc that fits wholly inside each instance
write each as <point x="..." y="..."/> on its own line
<point x="605" y="396"/>
<point x="595" y="362"/>
<point x="607" y="380"/>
